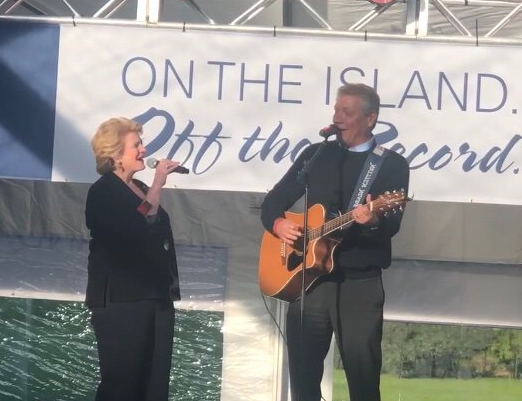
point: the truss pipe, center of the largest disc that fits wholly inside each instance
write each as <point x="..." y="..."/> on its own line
<point x="506" y="20"/>
<point x="369" y="17"/>
<point x="489" y="3"/>
<point x="109" y="8"/>
<point x="252" y="12"/>
<point x="315" y="15"/>
<point x="7" y="6"/>
<point x="198" y="9"/>
<point x="451" y="17"/>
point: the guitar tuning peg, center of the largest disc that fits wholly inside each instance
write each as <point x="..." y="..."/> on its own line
<point x="385" y="215"/>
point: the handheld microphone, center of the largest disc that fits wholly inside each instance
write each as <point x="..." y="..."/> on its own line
<point x="332" y="129"/>
<point x="152" y="163"/>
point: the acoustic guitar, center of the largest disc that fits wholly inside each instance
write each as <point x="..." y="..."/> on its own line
<point x="280" y="264"/>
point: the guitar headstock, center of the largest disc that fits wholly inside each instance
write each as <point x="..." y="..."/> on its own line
<point x="394" y="200"/>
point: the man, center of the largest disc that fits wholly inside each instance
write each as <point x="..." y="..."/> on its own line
<point x="349" y="301"/>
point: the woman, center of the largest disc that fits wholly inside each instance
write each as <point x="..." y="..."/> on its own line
<point x="132" y="271"/>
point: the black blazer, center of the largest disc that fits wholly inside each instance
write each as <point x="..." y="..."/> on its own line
<point x="130" y="258"/>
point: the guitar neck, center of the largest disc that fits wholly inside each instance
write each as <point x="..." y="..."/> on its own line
<point x="331" y="226"/>
<point x="382" y="204"/>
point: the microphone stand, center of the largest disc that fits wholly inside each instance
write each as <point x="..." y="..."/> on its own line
<point x="302" y="177"/>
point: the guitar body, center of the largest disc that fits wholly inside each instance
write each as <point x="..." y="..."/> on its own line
<point x="280" y="265"/>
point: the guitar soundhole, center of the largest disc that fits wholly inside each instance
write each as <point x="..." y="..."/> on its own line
<point x="294" y="261"/>
<point x="295" y="258"/>
<point x="298" y="245"/>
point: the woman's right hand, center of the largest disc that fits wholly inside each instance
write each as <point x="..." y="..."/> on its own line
<point x="164" y="168"/>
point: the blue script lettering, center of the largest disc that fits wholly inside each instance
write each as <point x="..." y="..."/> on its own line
<point x="206" y="156"/>
<point x="205" y="150"/>
<point x="495" y="158"/>
<point x="489" y="160"/>
<point x="281" y="146"/>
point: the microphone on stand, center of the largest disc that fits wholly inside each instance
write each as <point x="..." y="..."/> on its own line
<point x="152" y="163"/>
<point x="332" y="129"/>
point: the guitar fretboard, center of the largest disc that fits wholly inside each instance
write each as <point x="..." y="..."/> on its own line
<point x="380" y="205"/>
<point x="330" y="226"/>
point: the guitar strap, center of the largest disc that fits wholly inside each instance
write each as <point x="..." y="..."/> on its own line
<point x="368" y="173"/>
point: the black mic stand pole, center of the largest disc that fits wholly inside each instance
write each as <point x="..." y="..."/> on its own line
<point x="302" y="177"/>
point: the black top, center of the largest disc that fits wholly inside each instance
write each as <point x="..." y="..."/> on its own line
<point x="130" y="258"/>
<point x="363" y="251"/>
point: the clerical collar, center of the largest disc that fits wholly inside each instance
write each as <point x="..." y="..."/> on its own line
<point x="363" y="147"/>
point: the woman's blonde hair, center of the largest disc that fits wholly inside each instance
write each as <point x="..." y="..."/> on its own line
<point x="108" y="142"/>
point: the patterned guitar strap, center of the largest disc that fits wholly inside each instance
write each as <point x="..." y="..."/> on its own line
<point x="368" y="173"/>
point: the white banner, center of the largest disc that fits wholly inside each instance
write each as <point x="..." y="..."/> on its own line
<point x="237" y="108"/>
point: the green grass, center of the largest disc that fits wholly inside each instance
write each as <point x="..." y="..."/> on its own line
<point x="396" y="389"/>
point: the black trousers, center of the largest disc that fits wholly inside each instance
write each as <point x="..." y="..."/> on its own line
<point x="353" y="310"/>
<point x="135" y="350"/>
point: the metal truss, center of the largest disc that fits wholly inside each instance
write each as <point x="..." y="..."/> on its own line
<point x="413" y="18"/>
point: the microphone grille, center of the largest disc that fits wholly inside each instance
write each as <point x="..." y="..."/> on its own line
<point x="332" y="129"/>
<point x="152" y="162"/>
